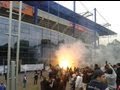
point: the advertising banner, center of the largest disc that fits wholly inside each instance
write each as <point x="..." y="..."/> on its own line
<point x="26" y="9"/>
<point x="32" y="67"/>
<point x="24" y="68"/>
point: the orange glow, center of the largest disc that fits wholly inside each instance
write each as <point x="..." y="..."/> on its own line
<point x="70" y="55"/>
<point x="65" y="62"/>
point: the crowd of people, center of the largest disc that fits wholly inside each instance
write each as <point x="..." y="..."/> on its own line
<point x="106" y="77"/>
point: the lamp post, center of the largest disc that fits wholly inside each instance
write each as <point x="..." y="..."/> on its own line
<point x="94" y="26"/>
<point x="18" y="43"/>
<point x="9" y="47"/>
<point x="74" y="9"/>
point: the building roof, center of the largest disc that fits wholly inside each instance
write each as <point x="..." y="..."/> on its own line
<point x="65" y="13"/>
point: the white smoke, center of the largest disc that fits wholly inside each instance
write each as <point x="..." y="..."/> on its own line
<point x="76" y="51"/>
<point x="109" y="53"/>
<point x="84" y="56"/>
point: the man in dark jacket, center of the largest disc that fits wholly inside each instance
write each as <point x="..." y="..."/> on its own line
<point x="118" y="75"/>
<point x="98" y="83"/>
<point x="44" y="84"/>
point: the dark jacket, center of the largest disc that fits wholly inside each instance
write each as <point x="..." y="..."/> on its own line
<point x="45" y="85"/>
<point x="95" y="85"/>
<point x="118" y="76"/>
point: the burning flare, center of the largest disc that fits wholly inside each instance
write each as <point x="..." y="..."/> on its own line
<point x="64" y="63"/>
<point x="70" y="55"/>
<point x="65" y="60"/>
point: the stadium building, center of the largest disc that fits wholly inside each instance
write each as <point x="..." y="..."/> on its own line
<point x="45" y="25"/>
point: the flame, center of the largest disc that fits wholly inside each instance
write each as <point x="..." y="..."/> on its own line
<point x="70" y="55"/>
<point x="65" y="62"/>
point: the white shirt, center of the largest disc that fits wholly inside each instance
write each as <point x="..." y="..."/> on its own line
<point x="111" y="79"/>
<point x="78" y="82"/>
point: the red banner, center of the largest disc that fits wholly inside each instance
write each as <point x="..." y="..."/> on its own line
<point x="78" y="27"/>
<point x="26" y="9"/>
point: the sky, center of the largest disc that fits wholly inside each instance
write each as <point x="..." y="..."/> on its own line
<point x="108" y="9"/>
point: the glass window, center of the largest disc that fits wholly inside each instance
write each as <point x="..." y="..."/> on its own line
<point x="46" y="36"/>
<point x="46" y="31"/>
<point x="25" y="29"/>
<point x="54" y="41"/>
<point x="33" y="43"/>
<point x="2" y="27"/>
<point x="25" y="36"/>
<point x="13" y="41"/>
<point x="3" y="39"/>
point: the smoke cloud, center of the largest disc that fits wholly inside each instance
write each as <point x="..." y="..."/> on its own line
<point x="84" y="56"/>
<point x="109" y="53"/>
<point x="75" y="51"/>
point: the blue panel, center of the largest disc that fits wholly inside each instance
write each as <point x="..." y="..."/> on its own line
<point x="35" y="14"/>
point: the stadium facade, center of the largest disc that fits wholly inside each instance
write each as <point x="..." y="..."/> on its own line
<point x="45" y="25"/>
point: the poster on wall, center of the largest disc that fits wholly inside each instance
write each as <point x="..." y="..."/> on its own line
<point x="26" y="9"/>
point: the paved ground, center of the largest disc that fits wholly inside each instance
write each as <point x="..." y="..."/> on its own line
<point x="30" y="85"/>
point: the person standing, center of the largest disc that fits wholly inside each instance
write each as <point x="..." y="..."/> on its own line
<point x="2" y="86"/>
<point x="118" y="76"/>
<point x="41" y="73"/>
<point x="111" y="78"/>
<point x="78" y="82"/>
<point x="44" y="84"/>
<point x="72" y="81"/>
<point x="24" y="81"/>
<point x="5" y="74"/>
<point x="99" y="81"/>
<point x="35" y="78"/>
